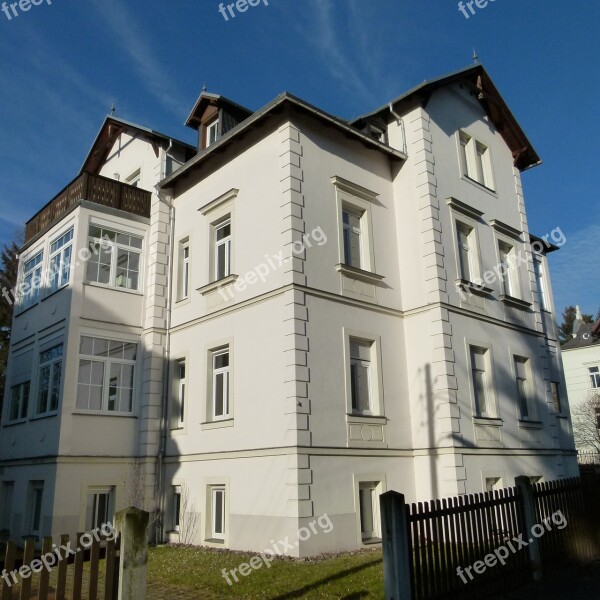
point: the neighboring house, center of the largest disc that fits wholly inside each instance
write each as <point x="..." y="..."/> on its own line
<point x="581" y="363"/>
<point x="302" y="316"/>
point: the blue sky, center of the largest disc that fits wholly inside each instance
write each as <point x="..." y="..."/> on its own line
<point x="62" y="64"/>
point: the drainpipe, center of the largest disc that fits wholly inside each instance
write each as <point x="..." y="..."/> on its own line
<point x="401" y="124"/>
<point x="166" y="358"/>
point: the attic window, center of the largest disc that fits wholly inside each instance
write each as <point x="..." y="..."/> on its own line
<point x="212" y="132"/>
<point x="377" y="133"/>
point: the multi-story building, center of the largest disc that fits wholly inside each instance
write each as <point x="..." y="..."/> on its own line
<point x="306" y="313"/>
<point x="581" y="362"/>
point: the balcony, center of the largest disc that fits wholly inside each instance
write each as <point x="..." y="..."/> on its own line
<point x="93" y="188"/>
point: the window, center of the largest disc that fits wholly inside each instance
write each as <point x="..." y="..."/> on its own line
<point x="19" y="402"/>
<point x="29" y="291"/>
<point x="217" y="512"/>
<point x="99" y="507"/>
<point x="352" y="238"/>
<point x="106" y="375"/>
<point x="377" y="133"/>
<point x="480" y="383"/>
<point x="493" y="483"/>
<point x="49" y="375"/>
<point x="509" y="276"/>
<point x="176" y="507"/>
<point x="522" y="386"/>
<point x="115" y="258"/>
<point x="360" y="376"/>
<point x="134" y="179"/>
<point x="8" y="494"/>
<point x="184" y="270"/>
<point x="369" y="511"/>
<point x="556" y="400"/>
<point x="181" y="392"/>
<point x="220" y="384"/>
<point x="222" y="236"/>
<point x="594" y="377"/>
<point x="60" y="261"/>
<point x="540" y="279"/>
<point x="465" y="240"/>
<point x="36" y="495"/>
<point x="212" y="132"/>
<point x="475" y="160"/>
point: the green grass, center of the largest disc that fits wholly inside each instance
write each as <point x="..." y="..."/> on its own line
<point x="347" y="576"/>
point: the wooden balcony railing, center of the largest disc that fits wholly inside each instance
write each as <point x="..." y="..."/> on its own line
<point x="94" y="188"/>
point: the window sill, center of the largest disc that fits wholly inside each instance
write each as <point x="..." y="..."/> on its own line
<point x="490" y="421"/>
<point x="22" y="311"/>
<point x="14" y="423"/>
<point x="479" y="185"/>
<point x="215" y="285"/>
<point x="52" y="293"/>
<point x="360" y="274"/>
<point x="371" y="541"/>
<point x="44" y="416"/>
<point x="113" y="288"/>
<point x="473" y="288"/>
<point x="376" y="419"/>
<point x="217" y="424"/>
<point x="515" y="302"/>
<point x="523" y="424"/>
<point x="102" y="413"/>
<point x="215" y="541"/>
<point x="183" y="301"/>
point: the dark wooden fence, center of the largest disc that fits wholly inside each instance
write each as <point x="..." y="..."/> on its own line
<point x="486" y="543"/>
<point x="94" y="188"/>
<point x="122" y="578"/>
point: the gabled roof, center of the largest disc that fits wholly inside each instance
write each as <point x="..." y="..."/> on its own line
<point x="476" y="77"/>
<point x="588" y="335"/>
<point x="270" y="109"/>
<point x="109" y="132"/>
<point x="207" y="98"/>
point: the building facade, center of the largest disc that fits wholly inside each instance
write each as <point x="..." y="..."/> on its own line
<point x="304" y="314"/>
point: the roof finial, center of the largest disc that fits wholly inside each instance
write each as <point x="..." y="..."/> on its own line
<point x="204" y="87"/>
<point x="475" y="57"/>
<point x="113" y="109"/>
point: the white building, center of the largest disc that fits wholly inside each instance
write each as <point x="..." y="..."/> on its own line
<point x="581" y="363"/>
<point x="307" y="313"/>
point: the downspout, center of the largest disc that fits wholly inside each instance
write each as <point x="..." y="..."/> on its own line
<point x="401" y="123"/>
<point x="166" y="358"/>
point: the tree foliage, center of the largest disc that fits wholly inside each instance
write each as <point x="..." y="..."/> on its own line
<point x="565" y="329"/>
<point x="586" y="419"/>
<point x="9" y="263"/>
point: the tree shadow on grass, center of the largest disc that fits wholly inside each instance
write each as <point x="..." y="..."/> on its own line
<point x="313" y="586"/>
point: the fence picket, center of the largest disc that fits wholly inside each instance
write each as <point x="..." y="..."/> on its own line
<point x="9" y="565"/>
<point x="45" y="574"/>
<point x="27" y="558"/>
<point x="78" y="572"/>
<point x="61" y="580"/>
<point x="94" y="564"/>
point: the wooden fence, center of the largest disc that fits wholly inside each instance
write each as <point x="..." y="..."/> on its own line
<point x="115" y="582"/>
<point x="486" y="543"/>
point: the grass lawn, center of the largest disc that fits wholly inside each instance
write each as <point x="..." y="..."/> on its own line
<point x="347" y="576"/>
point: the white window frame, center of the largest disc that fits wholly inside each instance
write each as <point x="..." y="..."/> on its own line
<point x="35" y="506"/>
<point x="215" y="491"/>
<point x="177" y="490"/>
<point x="366" y="364"/>
<point x="225" y="242"/>
<point x="376" y="399"/>
<point x="135" y="178"/>
<point x="31" y="277"/>
<point x="51" y="363"/>
<point x="184" y="273"/>
<point x="594" y="374"/>
<point x="475" y="160"/>
<point x="214" y="373"/>
<point x="527" y="402"/>
<point x="102" y="242"/>
<point x="60" y="275"/>
<point x="540" y="279"/>
<point x="94" y="493"/>
<point x="210" y="127"/>
<point x="492" y="483"/>
<point x="487" y="402"/>
<point x="557" y="400"/>
<point x="107" y="362"/>
<point x="20" y="395"/>
<point x="372" y="481"/>
<point x="350" y="230"/>
<point x="182" y="389"/>
<point x="510" y="280"/>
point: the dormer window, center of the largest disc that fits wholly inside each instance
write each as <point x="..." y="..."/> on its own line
<point x="377" y="133"/>
<point x="212" y="132"/>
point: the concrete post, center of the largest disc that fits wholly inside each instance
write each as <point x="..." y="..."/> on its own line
<point x="132" y="526"/>
<point x="528" y="514"/>
<point x="396" y="557"/>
